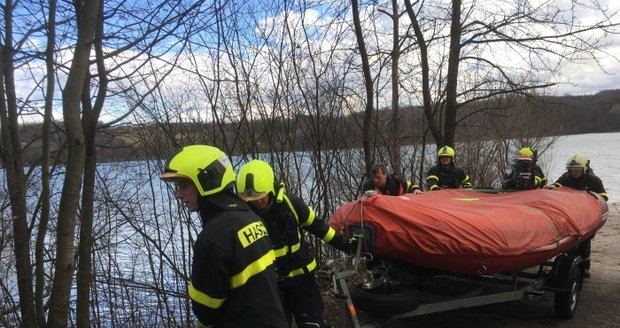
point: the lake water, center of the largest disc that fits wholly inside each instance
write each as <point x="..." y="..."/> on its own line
<point x="126" y="246"/>
<point x="603" y="150"/>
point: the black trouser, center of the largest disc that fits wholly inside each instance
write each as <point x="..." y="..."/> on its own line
<point x="301" y="298"/>
<point x="585" y="250"/>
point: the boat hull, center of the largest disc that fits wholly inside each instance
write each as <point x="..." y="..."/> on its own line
<point x="475" y="232"/>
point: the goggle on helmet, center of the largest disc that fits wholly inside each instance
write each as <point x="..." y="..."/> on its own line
<point x="206" y="166"/>
<point x="578" y="161"/>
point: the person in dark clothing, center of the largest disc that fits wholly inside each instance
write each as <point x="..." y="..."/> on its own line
<point x="388" y="184"/>
<point x="287" y="217"/>
<point x="233" y="279"/>
<point x="580" y="176"/>
<point x="525" y="173"/>
<point x="445" y="175"/>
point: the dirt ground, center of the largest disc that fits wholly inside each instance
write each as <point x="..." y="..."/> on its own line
<point x="598" y="306"/>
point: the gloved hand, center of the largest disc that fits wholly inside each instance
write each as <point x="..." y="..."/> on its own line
<point x="352" y="244"/>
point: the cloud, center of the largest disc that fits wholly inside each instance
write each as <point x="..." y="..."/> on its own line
<point x="590" y="76"/>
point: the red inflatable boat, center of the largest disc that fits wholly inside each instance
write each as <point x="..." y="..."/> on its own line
<point x="472" y="232"/>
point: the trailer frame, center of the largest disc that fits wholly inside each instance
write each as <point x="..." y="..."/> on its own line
<point x="560" y="275"/>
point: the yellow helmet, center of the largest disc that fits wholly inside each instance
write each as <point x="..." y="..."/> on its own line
<point x="527" y="151"/>
<point x="256" y="180"/>
<point x="446" y="151"/>
<point x="578" y="160"/>
<point x="207" y="166"/>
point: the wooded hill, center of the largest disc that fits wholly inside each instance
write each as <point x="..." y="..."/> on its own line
<point x="501" y="117"/>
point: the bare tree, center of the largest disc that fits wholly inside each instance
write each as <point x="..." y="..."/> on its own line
<point x="298" y="83"/>
<point x="14" y="167"/>
<point x="87" y="16"/>
<point x="45" y="164"/>
<point x="90" y="117"/>
<point x="368" y="84"/>
<point x="528" y="34"/>
<point x="395" y="129"/>
<point x="81" y="123"/>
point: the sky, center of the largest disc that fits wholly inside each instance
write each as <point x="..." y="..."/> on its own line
<point x="588" y="77"/>
<point x="580" y="77"/>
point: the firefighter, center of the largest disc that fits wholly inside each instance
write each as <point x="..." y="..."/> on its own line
<point x="233" y="281"/>
<point x="286" y="218"/>
<point x="580" y="176"/>
<point x="388" y="184"/>
<point x="445" y="175"/>
<point x="540" y="179"/>
<point x="525" y="173"/>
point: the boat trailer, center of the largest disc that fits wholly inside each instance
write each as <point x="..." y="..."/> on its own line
<point x="560" y="275"/>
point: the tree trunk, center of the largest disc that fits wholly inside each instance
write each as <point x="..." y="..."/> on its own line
<point x="368" y="85"/>
<point x="453" y="71"/>
<point x="90" y="119"/>
<point x="59" y="300"/>
<point x="427" y="100"/>
<point x="15" y="177"/>
<point x="45" y="166"/>
<point x="394" y="126"/>
<point x="84" y="273"/>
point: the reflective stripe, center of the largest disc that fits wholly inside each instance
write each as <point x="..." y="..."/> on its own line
<point x="311" y="217"/>
<point x="236" y="281"/>
<point x="204" y="299"/>
<point x="433" y="187"/>
<point x="282" y="250"/>
<point x="291" y="208"/>
<point x="308" y="268"/>
<point x="252" y="269"/>
<point x="466" y="183"/>
<point x="329" y="235"/>
<point x="432" y="177"/>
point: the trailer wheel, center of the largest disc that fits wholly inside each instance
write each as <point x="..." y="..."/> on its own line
<point x="566" y="302"/>
<point x="385" y="299"/>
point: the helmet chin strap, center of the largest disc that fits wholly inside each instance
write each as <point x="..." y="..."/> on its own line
<point x="280" y="192"/>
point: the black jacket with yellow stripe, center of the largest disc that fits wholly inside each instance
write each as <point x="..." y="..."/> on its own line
<point x="442" y="177"/>
<point x="233" y="282"/>
<point x="286" y="222"/>
<point x="587" y="181"/>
